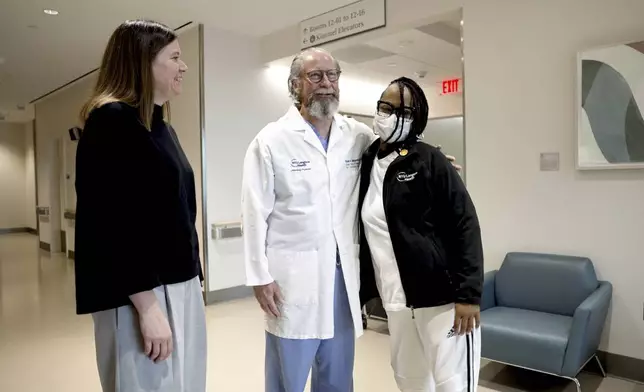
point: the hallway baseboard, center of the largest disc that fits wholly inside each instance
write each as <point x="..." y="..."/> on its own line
<point x="228" y="294"/>
<point x="621" y="366"/>
<point x="18" y="230"/>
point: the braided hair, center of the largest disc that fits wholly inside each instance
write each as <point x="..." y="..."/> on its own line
<point x="418" y="101"/>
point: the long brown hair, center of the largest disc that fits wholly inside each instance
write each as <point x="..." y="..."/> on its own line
<point x="125" y="74"/>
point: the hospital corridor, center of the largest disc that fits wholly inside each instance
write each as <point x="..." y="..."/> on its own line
<point x="321" y="196"/>
<point x="44" y="346"/>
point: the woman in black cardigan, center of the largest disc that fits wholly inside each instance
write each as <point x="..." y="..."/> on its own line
<point x="138" y="270"/>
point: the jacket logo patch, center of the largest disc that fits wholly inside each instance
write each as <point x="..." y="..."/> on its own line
<point x="404" y="177"/>
<point x="352" y="163"/>
<point x="299" y="165"/>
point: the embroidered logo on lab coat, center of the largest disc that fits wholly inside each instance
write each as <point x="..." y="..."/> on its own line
<point x="352" y="163"/>
<point x="300" y="166"/>
<point x="404" y="177"/>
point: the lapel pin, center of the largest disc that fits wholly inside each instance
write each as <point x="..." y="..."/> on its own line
<point x="403" y="152"/>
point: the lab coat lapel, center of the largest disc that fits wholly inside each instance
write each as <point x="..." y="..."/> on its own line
<point x="297" y="123"/>
<point x="311" y="138"/>
<point x="337" y="131"/>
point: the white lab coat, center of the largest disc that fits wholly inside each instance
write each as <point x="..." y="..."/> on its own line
<point x="298" y="202"/>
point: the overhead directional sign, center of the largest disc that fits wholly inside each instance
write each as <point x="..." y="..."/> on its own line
<point x="352" y="19"/>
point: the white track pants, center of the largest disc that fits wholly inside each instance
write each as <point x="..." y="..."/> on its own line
<point x="427" y="356"/>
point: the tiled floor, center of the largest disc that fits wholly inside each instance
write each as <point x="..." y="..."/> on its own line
<point x="44" y="346"/>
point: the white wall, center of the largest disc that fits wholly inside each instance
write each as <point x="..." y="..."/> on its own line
<point x="444" y="105"/>
<point x="186" y="115"/>
<point x="54" y="116"/>
<point x="520" y="74"/>
<point x="240" y="99"/>
<point x="508" y="124"/>
<point x="600" y="214"/>
<point x="447" y="132"/>
<point x="12" y="176"/>
<point x="30" y="177"/>
<point x="17" y="115"/>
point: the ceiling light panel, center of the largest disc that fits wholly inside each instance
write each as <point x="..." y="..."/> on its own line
<point x="360" y="53"/>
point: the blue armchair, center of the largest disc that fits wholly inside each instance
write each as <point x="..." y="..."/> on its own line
<point x="544" y="313"/>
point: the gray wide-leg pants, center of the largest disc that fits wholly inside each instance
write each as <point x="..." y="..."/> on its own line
<point x="122" y="365"/>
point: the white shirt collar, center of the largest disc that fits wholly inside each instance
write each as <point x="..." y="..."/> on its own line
<point x="294" y="120"/>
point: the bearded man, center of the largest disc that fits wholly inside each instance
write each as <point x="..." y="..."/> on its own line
<point x="299" y="213"/>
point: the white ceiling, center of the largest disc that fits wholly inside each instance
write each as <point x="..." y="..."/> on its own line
<point x="45" y="52"/>
<point x="433" y="49"/>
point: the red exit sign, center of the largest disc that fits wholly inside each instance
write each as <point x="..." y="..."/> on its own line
<point x="452" y="86"/>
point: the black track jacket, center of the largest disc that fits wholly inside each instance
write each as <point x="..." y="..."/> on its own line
<point x="433" y="226"/>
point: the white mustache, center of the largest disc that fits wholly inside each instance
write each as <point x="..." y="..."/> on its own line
<point x="324" y="91"/>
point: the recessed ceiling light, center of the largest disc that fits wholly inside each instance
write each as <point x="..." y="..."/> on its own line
<point x="391" y="64"/>
<point x="461" y="22"/>
<point x="51" y="12"/>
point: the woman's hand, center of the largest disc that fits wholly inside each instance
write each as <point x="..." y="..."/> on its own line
<point x="466" y="318"/>
<point x="157" y="335"/>
<point x="155" y="329"/>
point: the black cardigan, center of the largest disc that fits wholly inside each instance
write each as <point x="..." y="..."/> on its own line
<point x="136" y="209"/>
<point x="433" y="225"/>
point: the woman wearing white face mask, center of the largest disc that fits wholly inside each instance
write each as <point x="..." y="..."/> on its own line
<point x="421" y="249"/>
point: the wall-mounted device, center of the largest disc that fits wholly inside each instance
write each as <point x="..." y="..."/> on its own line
<point x="75" y="133"/>
<point x="43" y="214"/>
<point x="421" y="74"/>
<point x="226" y="230"/>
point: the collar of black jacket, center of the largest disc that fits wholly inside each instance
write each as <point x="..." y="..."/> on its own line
<point x="375" y="148"/>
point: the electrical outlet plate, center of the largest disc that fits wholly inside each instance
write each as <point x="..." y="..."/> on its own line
<point x="549" y="161"/>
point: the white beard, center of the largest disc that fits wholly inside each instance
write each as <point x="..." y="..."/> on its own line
<point x="323" y="108"/>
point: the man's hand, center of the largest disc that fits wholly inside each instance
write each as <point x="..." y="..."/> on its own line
<point x="269" y="297"/>
<point x="466" y="318"/>
<point x="452" y="159"/>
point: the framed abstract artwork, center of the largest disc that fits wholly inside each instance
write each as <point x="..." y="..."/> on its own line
<point x="610" y="100"/>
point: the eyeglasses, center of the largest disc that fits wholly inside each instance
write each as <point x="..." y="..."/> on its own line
<point x="386" y="109"/>
<point x="316" y="76"/>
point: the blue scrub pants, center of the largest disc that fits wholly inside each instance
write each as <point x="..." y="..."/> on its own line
<point x="288" y="361"/>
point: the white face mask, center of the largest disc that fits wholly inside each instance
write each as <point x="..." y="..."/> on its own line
<point x="385" y="127"/>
